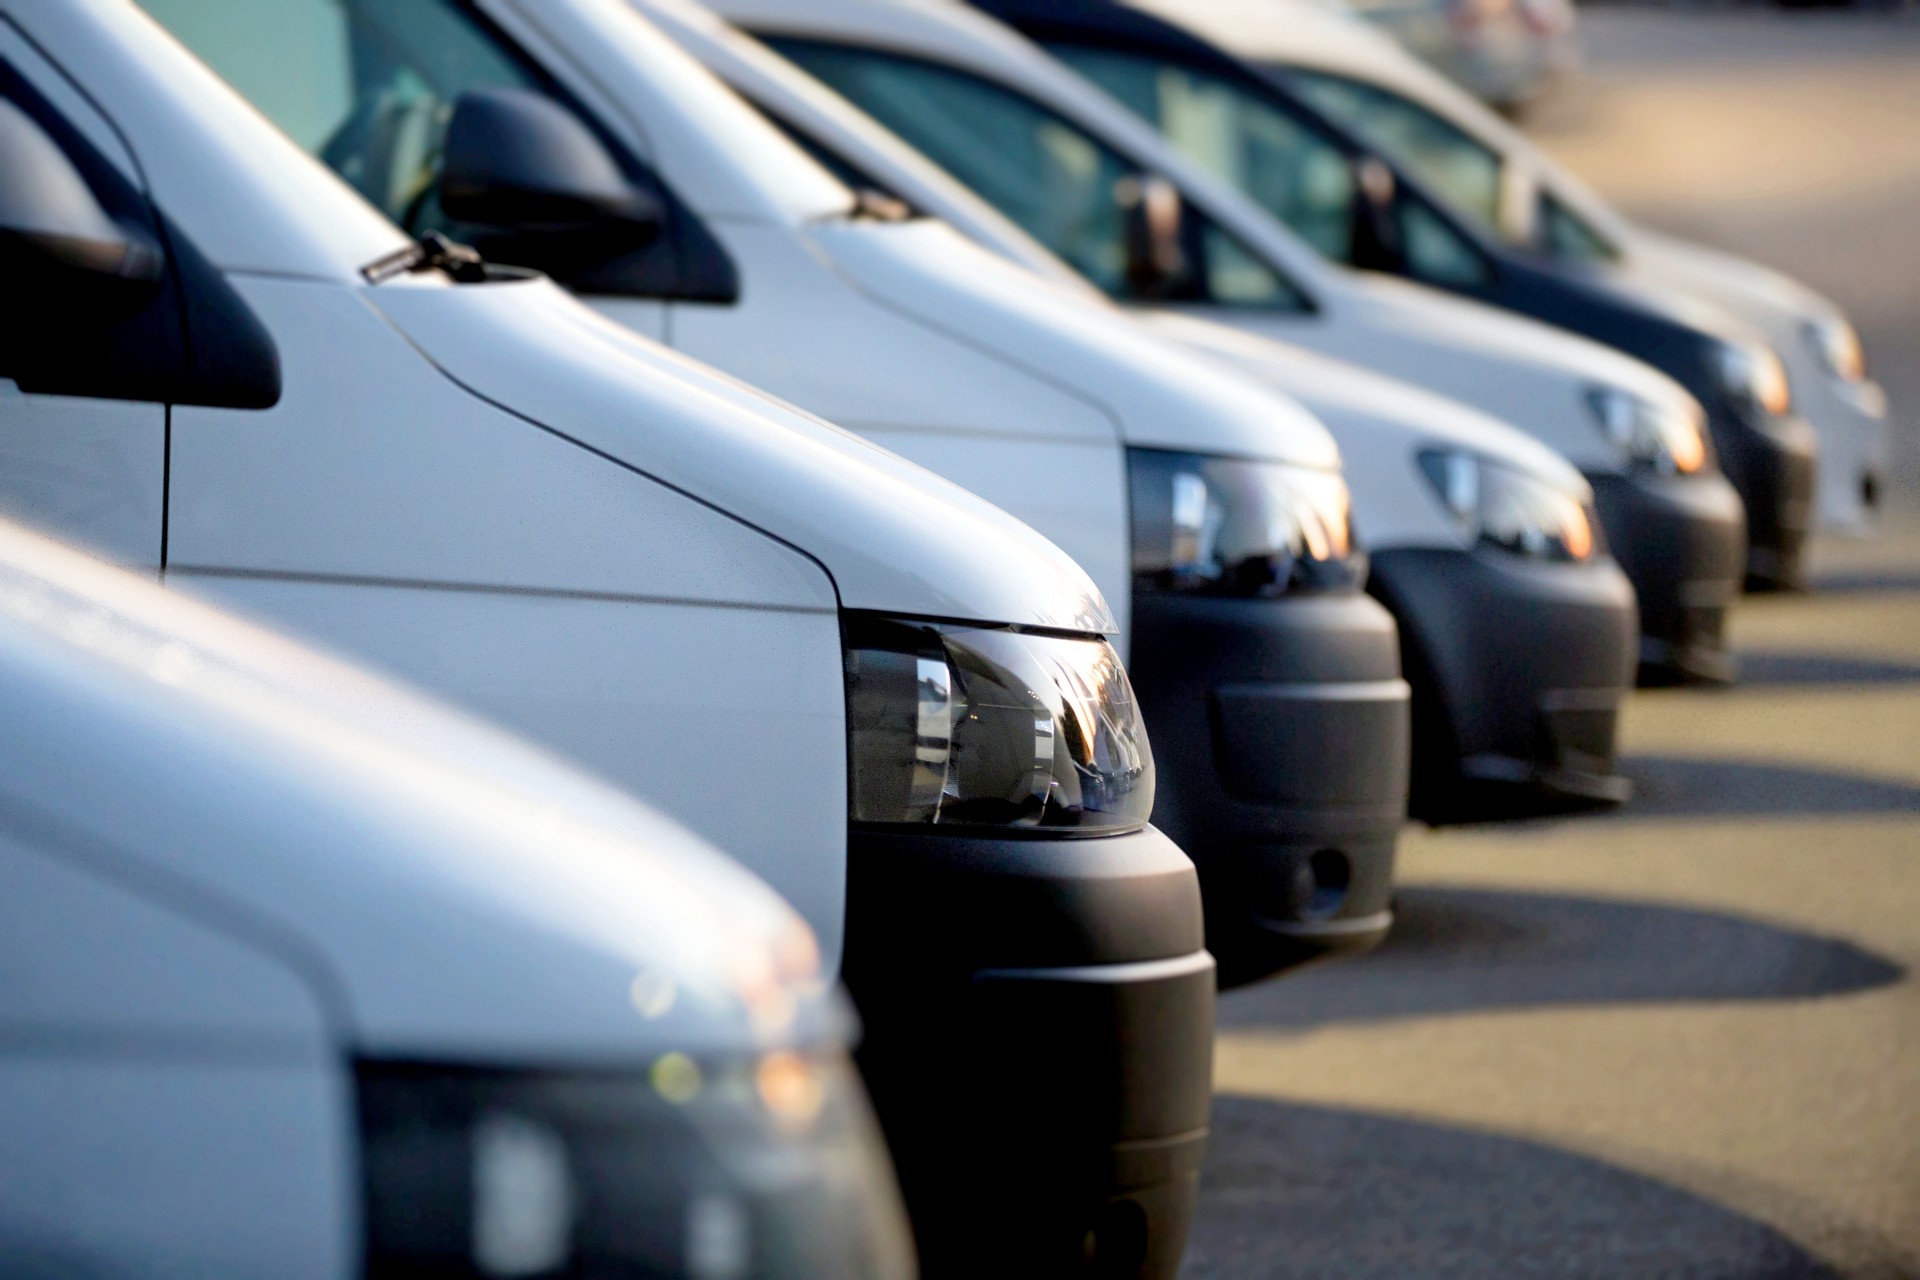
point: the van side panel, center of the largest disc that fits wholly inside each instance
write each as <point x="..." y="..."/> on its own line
<point x="375" y="465"/>
<point x="732" y="720"/>
<point x="156" y="1076"/>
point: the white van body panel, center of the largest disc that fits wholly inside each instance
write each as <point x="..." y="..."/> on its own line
<point x="770" y="81"/>
<point x="328" y="842"/>
<point x="893" y="536"/>
<point x="1023" y="395"/>
<point x="1382" y="425"/>
<point x="1851" y="418"/>
<point x="96" y="476"/>
<point x="1518" y="370"/>
<point x="492" y="491"/>
<point x="295" y="864"/>
<point x="112" y="1161"/>
<point x="1379" y="423"/>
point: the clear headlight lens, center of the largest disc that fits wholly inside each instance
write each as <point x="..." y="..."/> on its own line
<point x="1837" y="345"/>
<point x="1666" y="439"/>
<point x="766" y="1166"/>
<point x="1231" y="527"/>
<point x="968" y="727"/>
<point x="1754" y="378"/>
<point x="1509" y="509"/>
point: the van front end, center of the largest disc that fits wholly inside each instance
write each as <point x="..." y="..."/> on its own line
<point x="1026" y="952"/>
<point x="1274" y="688"/>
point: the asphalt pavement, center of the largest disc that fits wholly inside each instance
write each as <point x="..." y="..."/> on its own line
<point x="1681" y="1039"/>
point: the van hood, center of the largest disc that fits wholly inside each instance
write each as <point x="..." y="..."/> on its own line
<point x="893" y="537"/>
<point x="1382" y="425"/>
<point x="1493" y="337"/>
<point x="1156" y="395"/>
<point x="443" y="891"/>
<point x="1732" y="281"/>
<point x="1337" y="392"/>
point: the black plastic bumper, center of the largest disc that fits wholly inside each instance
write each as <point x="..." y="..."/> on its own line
<point x="1518" y="669"/>
<point x="1039" y="1038"/>
<point x="1774" y="472"/>
<point x="1683" y="542"/>
<point x="1280" y="736"/>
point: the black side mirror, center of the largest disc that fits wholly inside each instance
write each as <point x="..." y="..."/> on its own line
<point x="547" y="191"/>
<point x="60" y="250"/>
<point x="1376" y="224"/>
<point x="1157" y="265"/>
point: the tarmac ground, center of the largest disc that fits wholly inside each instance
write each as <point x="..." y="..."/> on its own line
<point x="1681" y="1039"/>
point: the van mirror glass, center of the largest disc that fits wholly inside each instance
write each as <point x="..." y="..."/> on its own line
<point x="545" y="190"/>
<point x="1157" y="265"/>
<point x="59" y="248"/>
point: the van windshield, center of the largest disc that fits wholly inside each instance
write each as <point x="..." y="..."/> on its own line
<point x="1293" y="169"/>
<point x="1061" y="184"/>
<point x="366" y="85"/>
<point x="1458" y="166"/>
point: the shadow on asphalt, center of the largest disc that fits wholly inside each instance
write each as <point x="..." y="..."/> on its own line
<point x="1677" y="787"/>
<point x="1774" y="669"/>
<point x="1844" y="583"/>
<point x="1461" y="950"/>
<point x="1341" y="1195"/>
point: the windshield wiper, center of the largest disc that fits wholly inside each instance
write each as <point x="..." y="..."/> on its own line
<point x="431" y="252"/>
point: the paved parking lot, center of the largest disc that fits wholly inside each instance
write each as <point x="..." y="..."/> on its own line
<point x="1682" y="1040"/>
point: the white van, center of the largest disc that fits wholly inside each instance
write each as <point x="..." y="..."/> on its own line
<point x="1518" y="633"/>
<point x="308" y="977"/>
<point x="892" y="701"/>
<point x="1496" y="175"/>
<point x="1068" y="416"/>
<point x="1051" y="150"/>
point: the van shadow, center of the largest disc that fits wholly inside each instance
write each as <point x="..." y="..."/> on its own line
<point x="1775" y="670"/>
<point x="1462" y="950"/>
<point x="1677" y="786"/>
<point x="1333" y="1194"/>
<point x="1864" y="581"/>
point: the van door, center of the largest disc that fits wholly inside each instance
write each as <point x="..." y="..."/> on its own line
<point x="97" y="334"/>
<point x="75" y="460"/>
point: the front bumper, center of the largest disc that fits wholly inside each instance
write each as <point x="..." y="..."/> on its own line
<point x="1280" y="735"/>
<point x="1039" y="1033"/>
<point x="1775" y="474"/>
<point x="1683" y="543"/>
<point x="1518" y="669"/>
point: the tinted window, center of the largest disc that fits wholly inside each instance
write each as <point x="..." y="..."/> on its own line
<point x="1563" y="234"/>
<point x="1296" y="173"/>
<point x="1447" y="159"/>
<point x="1058" y="182"/>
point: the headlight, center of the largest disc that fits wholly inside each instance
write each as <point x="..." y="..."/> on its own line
<point x="1754" y="379"/>
<point x="968" y="727"/>
<point x="1837" y="346"/>
<point x="1229" y="527"/>
<point x="1666" y="439"/>
<point x="1509" y="509"/>
<point x="761" y="1167"/>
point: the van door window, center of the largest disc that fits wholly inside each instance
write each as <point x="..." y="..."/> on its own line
<point x="1062" y="185"/>
<point x="1565" y="235"/>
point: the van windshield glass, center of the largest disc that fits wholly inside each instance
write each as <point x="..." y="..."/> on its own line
<point x="366" y="85"/>
<point x="1464" y="171"/>
<point x="1292" y="171"/>
<point x="1062" y="185"/>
